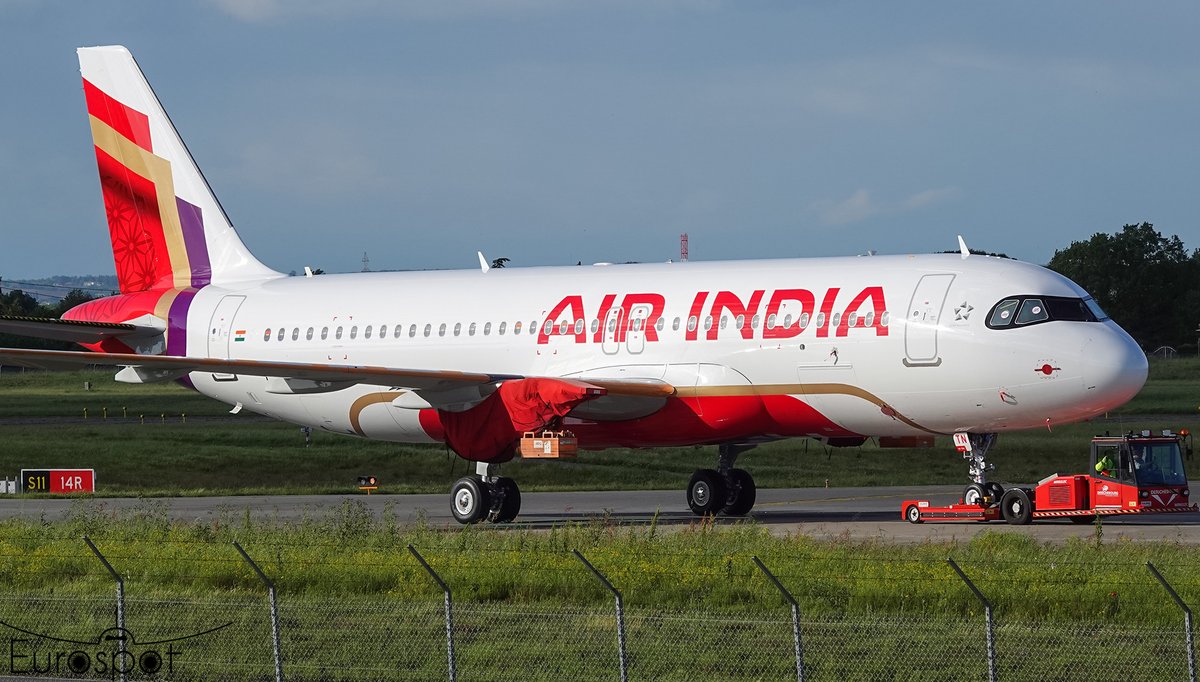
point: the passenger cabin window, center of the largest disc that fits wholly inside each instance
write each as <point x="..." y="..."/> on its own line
<point x="383" y="331"/>
<point x="442" y="329"/>
<point x="337" y="334"/>
<point x="354" y="332"/>
<point x="674" y="325"/>
<point x="367" y="332"/>
<point x="308" y="336"/>
<point x="296" y="334"/>
<point x="487" y="328"/>
<point x="279" y="334"/>
<point x="503" y="325"/>
<point x="428" y="330"/>
<point x="324" y="333"/>
<point x="457" y="328"/>
<point x="595" y="325"/>
<point x="412" y="331"/>
<point x="267" y="334"/>
<point x="517" y="327"/>
<point x="471" y="330"/>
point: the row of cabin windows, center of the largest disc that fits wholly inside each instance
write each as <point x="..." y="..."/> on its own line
<point x="564" y="327"/>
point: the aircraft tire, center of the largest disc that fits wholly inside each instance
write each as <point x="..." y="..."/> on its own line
<point x="995" y="490"/>
<point x="974" y="494"/>
<point x="507" y="496"/>
<point x="1016" y="507"/>
<point x="741" y="493"/>
<point x="706" y="492"/>
<point x="469" y="500"/>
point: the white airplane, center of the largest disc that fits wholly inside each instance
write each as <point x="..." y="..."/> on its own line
<point x="728" y="353"/>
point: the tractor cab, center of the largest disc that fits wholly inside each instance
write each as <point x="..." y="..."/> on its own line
<point x="1138" y="471"/>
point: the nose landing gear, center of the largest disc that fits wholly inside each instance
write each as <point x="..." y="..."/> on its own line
<point x="485" y="496"/>
<point x="724" y="490"/>
<point x="974" y="448"/>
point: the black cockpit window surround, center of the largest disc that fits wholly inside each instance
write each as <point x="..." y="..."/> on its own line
<point x="1030" y="309"/>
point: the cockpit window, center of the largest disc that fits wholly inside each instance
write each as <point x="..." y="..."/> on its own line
<point x="1003" y="314"/>
<point x="1095" y="309"/>
<point x="1032" y="310"/>
<point x="1017" y="311"/>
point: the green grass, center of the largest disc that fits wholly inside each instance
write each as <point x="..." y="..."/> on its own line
<point x="217" y="453"/>
<point x="348" y="551"/>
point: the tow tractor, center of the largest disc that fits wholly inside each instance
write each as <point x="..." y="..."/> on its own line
<point x="1137" y="474"/>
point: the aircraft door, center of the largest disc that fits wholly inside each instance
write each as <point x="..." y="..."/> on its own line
<point x="921" y="325"/>
<point x="635" y="337"/>
<point x="220" y="328"/>
<point x="613" y="331"/>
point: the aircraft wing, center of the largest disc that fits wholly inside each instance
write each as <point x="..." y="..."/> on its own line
<point x="166" y="366"/>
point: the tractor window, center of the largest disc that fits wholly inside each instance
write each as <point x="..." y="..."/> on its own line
<point x="1158" y="464"/>
<point x="1114" y="461"/>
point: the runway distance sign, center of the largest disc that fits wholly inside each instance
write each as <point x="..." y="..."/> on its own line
<point x="58" y="481"/>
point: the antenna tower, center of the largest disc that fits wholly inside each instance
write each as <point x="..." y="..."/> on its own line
<point x="683" y="254"/>
<point x="366" y="262"/>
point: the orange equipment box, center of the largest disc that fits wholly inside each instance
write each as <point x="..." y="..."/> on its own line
<point x="549" y="445"/>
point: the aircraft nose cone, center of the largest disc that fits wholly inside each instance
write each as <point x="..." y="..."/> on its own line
<point x="1114" y="368"/>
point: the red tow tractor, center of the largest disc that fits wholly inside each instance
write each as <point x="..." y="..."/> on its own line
<point x="1139" y="474"/>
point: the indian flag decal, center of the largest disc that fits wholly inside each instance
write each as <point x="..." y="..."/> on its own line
<point x="239" y="335"/>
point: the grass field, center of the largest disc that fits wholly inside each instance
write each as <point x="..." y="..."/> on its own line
<point x="350" y="593"/>
<point x="212" y="452"/>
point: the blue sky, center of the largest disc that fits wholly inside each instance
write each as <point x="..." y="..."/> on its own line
<point x="556" y="132"/>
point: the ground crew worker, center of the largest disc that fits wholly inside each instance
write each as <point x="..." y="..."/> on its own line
<point x="1104" y="465"/>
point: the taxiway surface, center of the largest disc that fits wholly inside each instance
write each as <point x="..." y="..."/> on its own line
<point x="862" y="513"/>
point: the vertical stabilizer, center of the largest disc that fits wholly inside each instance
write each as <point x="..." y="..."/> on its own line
<point x="167" y="228"/>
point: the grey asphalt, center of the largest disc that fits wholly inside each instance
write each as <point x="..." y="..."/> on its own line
<point x="863" y="513"/>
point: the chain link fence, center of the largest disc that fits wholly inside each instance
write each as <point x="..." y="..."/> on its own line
<point x="231" y="636"/>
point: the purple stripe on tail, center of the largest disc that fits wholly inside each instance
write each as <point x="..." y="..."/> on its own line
<point x="177" y="323"/>
<point x="192" y="222"/>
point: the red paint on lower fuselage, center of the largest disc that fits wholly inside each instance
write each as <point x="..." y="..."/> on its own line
<point x="710" y="419"/>
<point x="692" y="420"/>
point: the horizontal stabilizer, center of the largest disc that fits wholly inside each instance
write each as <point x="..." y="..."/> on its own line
<point x="77" y="331"/>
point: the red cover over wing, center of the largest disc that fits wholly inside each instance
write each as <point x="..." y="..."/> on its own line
<point x="488" y="431"/>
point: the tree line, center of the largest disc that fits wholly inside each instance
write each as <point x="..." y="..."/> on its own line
<point x="1148" y="283"/>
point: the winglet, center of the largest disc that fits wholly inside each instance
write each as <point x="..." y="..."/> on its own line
<point x="483" y="264"/>
<point x="962" y="248"/>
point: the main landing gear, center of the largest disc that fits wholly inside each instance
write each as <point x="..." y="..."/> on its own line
<point x="977" y="468"/>
<point x="723" y="490"/>
<point x="485" y="496"/>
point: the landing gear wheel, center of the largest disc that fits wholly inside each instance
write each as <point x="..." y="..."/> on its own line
<point x="913" y="514"/>
<point x="506" y="500"/>
<point x="741" y="493"/>
<point x="974" y="494"/>
<point x="469" y="500"/>
<point x="1016" y="507"/>
<point x="995" y="491"/>
<point x="706" y="492"/>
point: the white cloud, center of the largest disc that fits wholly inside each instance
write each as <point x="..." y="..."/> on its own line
<point x="857" y="208"/>
<point x="860" y="206"/>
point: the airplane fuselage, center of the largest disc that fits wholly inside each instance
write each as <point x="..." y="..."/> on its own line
<point x="825" y="347"/>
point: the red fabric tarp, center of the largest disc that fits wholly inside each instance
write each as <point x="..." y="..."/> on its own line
<point x="489" y="431"/>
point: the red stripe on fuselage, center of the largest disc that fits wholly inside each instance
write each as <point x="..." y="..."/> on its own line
<point x="129" y="122"/>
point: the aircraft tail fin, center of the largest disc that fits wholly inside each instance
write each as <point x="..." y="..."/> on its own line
<point x="167" y="228"/>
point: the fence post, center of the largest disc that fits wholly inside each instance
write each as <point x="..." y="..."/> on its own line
<point x="451" y="667"/>
<point x="795" y="617"/>
<point x="622" y="657"/>
<point x="1187" y="621"/>
<point x="274" y="610"/>
<point x="120" y="601"/>
<point x="987" y="611"/>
